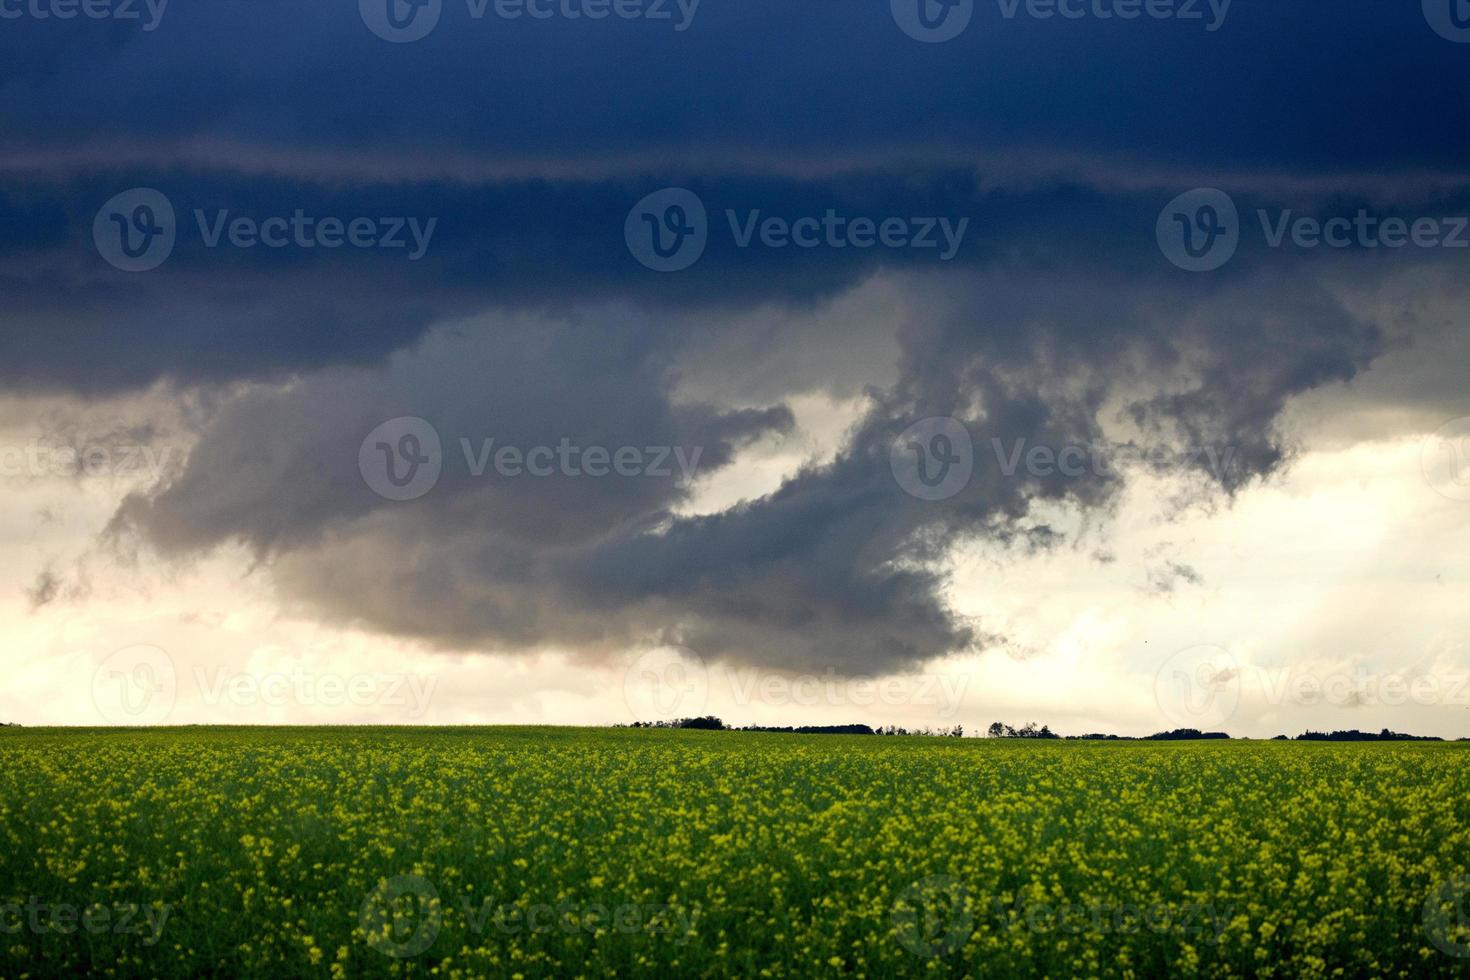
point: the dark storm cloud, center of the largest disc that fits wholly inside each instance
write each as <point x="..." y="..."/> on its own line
<point x="1313" y="85"/>
<point x="528" y="141"/>
<point x="836" y="569"/>
<point x="1058" y="322"/>
<point x="215" y="311"/>
<point x="523" y="383"/>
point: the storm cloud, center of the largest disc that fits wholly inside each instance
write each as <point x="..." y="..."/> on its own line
<point x="1055" y="322"/>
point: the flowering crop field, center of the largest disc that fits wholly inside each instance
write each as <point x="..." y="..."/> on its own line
<point x="536" y="852"/>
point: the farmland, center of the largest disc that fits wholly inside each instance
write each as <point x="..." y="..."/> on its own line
<point x="471" y="852"/>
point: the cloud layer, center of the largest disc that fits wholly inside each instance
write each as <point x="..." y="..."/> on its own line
<point x="1050" y="319"/>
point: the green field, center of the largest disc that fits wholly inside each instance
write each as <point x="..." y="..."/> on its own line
<point x="474" y="852"/>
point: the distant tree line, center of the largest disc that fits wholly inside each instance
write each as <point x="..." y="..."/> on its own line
<point x="707" y="723"/>
<point x="712" y="724"/>
<point x="811" y="729"/>
<point x="1353" y="735"/>
<point x="1030" y="730"/>
<point x="957" y="731"/>
<point x="1177" y="735"/>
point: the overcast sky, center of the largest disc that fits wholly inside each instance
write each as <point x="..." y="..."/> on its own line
<point x="586" y="362"/>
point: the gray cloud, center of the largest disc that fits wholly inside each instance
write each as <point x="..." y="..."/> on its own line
<point x="838" y="567"/>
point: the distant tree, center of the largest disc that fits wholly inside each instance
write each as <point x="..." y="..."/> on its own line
<point x="1186" y="735"/>
<point x="708" y="723"/>
<point x="1029" y="730"/>
<point x="812" y="729"/>
<point x="1353" y="735"/>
